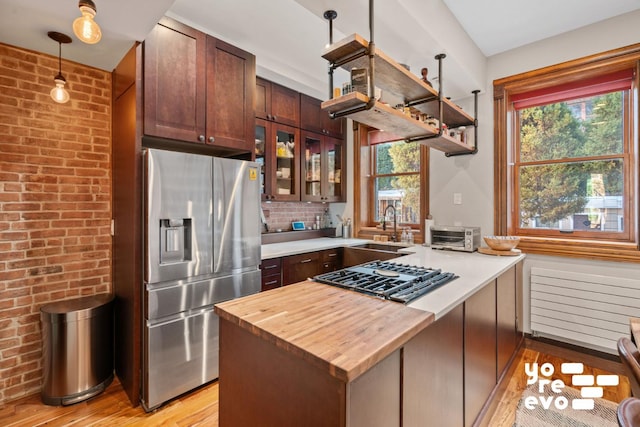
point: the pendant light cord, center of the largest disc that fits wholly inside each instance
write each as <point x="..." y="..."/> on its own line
<point x="59" y="58"/>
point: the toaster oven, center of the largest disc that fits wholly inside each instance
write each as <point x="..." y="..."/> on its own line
<point x="465" y="239"/>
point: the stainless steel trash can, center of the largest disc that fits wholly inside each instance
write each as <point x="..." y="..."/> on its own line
<point x="77" y="344"/>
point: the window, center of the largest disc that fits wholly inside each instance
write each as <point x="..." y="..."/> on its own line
<point x="395" y="181"/>
<point x="392" y="173"/>
<point x="567" y="136"/>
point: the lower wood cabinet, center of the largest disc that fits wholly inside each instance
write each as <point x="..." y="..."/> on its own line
<point x="507" y="317"/>
<point x="330" y="260"/>
<point x="479" y="350"/>
<point x="453" y="366"/>
<point x="297" y="268"/>
<point x="271" y="274"/>
<point x="433" y="390"/>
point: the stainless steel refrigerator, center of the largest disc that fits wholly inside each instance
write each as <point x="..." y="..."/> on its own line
<point x="202" y="246"/>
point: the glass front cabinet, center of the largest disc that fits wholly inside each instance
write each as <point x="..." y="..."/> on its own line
<point x="322" y="167"/>
<point x="277" y="151"/>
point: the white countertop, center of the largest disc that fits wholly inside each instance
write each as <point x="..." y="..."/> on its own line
<point x="474" y="270"/>
<point x="276" y="250"/>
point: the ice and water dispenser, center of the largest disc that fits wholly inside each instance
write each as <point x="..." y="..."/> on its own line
<point x="175" y="240"/>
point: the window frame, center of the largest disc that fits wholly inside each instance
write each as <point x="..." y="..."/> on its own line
<point x="372" y="221"/>
<point x="364" y="225"/>
<point x="625" y="156"/>
<point x="505" y="126"/>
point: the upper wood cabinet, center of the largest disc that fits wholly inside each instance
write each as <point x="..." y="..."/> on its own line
<point x="323" y="160"/>
<point x="277" y="150"/>
<point x="197" y="88"/>
<point x="313" y="119"/>
<point x="277" y="103"/>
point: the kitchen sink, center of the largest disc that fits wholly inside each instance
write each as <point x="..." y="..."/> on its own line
<point x="382" y="247"/>
<point x="355" y="255"/>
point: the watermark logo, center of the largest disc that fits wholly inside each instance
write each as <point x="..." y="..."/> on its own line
<point x="590" y="386"/>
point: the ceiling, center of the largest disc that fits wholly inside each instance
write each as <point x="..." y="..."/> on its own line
<point x="288" y="36"/>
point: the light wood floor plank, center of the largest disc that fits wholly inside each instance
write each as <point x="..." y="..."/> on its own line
<point x="200" y="408"/>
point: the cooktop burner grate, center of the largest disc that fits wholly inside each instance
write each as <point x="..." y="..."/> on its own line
<point x="388" y="280"/>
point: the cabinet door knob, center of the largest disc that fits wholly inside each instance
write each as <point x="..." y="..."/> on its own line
<point x="211" y="139"/>
<point x="268" y="116"/>
<point x="274" y="117"/>
<point x="201" y="138"/>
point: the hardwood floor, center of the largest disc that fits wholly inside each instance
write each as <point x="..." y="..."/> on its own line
<point x="539" y="352"/>
<point x="112" y="408"/>
<point x="200" y="408"/>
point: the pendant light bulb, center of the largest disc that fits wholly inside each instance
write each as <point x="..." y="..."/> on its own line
<point x="84" y="27"/>
<point x="59" y="93"/>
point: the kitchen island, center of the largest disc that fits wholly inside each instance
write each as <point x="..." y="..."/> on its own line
<point x="312" y="354"/>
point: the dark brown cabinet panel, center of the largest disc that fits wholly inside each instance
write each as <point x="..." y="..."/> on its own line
<point x="331" y="260"/>
<point x="277" y="103"/>
<point x="175" y="82"/>
<point x="230" y="114"/>
<point x="433" y="389"/>
<point x="197" y="88"/>
<point x="297" y="268"/>
<point x="313" y="119"/>
<point x="479" y="350"/>
<point x="323" y="160"/>
<point x="507" y="328"/>
<point x="271" y="273"/>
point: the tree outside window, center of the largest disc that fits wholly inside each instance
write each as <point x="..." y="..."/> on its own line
<point x="396" y="181"/>
<point x="569" y="168"/>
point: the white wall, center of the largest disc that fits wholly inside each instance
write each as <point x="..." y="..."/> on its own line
<point x="473" y="175"/>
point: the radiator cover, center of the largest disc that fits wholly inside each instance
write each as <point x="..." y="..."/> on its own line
<point x="584" y="309"/>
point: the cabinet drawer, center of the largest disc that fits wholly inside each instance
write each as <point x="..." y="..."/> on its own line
<point x="271" y="282"/>
<point x="271" y="274"/>
<point x="329" y="266"/>
<point x="332" y="255"/>
<point x="271" y="266"/>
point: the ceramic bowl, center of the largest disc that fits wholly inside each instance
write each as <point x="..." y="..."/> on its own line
<point x="501" y="243"/>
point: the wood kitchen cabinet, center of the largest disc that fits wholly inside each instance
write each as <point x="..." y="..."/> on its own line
<point x="464" y="355"/>
<point x="277" y="150"/>
<point x="313" y="119"/>
<point x="322" y="168"/>
<point x="330" y="260"/>
<point x="197" y="88"/>
<point x="298" y="268"/>
<point x="276" y="103"/>
<point x="435" y="361"/>
<point x="479" y="351"/>
<point x="507" y="317"/>
<point x="271" y="274"/>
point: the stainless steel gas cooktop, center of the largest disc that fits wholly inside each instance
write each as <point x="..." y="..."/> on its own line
<point x="388" y="280"/>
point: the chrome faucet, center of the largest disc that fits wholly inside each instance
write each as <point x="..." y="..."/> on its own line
<point x="384" y="224"/>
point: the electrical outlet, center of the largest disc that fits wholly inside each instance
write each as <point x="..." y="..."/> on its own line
<point x="457" y="198"/>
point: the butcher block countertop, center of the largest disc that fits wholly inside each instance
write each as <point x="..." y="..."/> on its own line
<point x="340" y="331"/>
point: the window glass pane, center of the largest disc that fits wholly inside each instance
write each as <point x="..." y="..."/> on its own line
<point x="400" y="162"/>
<point x="586" y="196"/>
<point x="584" y="127"/>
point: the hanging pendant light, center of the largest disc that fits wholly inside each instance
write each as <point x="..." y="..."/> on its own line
<point x="59" y="93"/>
<point x="84" y="27"/>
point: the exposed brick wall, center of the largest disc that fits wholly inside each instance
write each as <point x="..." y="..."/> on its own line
<point x="280" y="214"/>
<point x="55" y="202"/>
